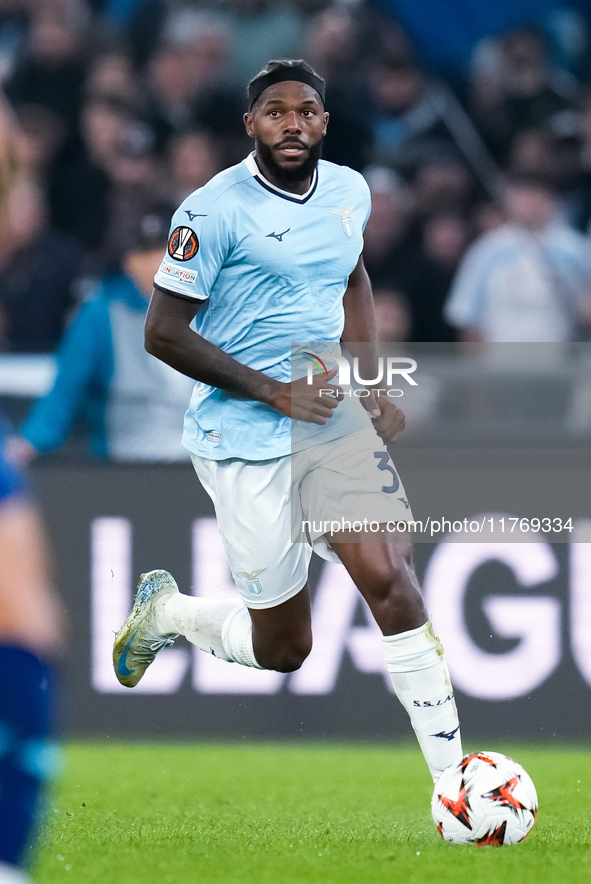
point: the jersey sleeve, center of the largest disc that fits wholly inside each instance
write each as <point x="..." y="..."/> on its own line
<point x="198" y="244"/>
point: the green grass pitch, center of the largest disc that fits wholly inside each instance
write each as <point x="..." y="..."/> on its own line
<point x="286" y="814"/>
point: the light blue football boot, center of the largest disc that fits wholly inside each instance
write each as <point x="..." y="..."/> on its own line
<point x="138" y="641"/>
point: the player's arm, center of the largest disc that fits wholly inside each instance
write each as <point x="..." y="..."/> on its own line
<point x="169" y="337"/>
<point x="360" y="329"/>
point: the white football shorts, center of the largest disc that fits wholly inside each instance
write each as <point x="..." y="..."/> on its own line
<point x="272" y="514"/>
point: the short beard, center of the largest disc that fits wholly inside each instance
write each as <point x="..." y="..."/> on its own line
<point x="292" y="174"/>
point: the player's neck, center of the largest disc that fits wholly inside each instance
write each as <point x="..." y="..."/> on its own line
<point x="278" y="181"/>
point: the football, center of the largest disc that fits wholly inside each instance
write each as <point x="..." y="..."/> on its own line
<point x="487" y="798"/>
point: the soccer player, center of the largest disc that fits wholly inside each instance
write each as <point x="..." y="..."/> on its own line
<point x="266" y="254"/>
<point x="30" y="632"/>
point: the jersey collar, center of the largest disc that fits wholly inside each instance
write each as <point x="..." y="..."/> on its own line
<point x="292" y="197"/>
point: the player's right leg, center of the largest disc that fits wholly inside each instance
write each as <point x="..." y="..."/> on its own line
<point x="270" y="626"/>
<point x="384" y="574"/>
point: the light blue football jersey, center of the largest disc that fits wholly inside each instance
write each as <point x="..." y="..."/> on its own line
<point x="271" y="269"/>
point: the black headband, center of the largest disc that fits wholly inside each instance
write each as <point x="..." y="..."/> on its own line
<point x="280" y="75"/>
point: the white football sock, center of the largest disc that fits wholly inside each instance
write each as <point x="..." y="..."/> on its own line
<point x="199" y="620"/>
<point x="420" y="678"/>
<point x="237" y="637"/>
<point x="220" y="627"/>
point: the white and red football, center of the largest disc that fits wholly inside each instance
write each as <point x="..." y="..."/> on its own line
<point x="487" y="798"/>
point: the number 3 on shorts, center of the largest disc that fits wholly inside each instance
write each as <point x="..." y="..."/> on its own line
<point x="383" y="464"/>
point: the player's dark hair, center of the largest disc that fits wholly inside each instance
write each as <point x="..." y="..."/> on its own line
<point x="280" y="70"/>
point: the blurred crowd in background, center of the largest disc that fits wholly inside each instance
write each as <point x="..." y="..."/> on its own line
<point x="472" y="126"/>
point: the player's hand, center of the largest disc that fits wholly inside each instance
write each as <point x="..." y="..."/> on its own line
<point x="310" y="402"/>
<point x="389" y="420"/>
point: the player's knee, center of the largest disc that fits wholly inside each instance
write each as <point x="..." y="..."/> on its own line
<point x="286" y="655"/>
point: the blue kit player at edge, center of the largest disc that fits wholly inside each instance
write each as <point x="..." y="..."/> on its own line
<point x="31" y="638"/>
<point x="266" y="255"/>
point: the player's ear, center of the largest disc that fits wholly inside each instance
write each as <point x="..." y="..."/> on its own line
<point x="326" y="115"/>
<point x="248" y="123"/>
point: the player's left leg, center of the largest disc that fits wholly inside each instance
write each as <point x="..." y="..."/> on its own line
<point x="276" y="637"/>
<point x="385" y="576"/>
<point x="269" y="627"/>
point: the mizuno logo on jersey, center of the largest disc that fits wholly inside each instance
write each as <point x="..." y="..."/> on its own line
<point x="183" y="244"/>
<point x="279" y="236"/>
<point x="346" y="220"/>
<point x="193" y="215"/>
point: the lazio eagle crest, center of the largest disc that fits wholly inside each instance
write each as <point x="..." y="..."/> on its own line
<point x="346" y="220"/>
<point x="252" y="581"/>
